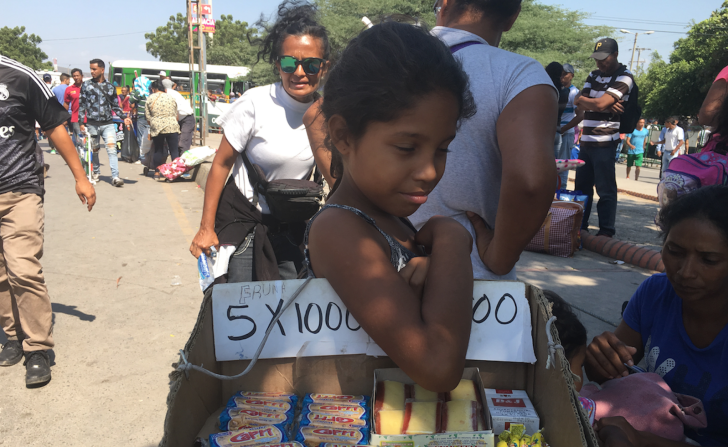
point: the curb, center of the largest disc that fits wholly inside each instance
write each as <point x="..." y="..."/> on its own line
<point x="632" y="193"/>
<point x="642" y="257"/>
<point x="202" y="173"/>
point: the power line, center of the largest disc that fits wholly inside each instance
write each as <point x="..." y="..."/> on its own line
<point x="670" y="32"/>
<point x="96" y="37"/>
<point x="638" y="20"/>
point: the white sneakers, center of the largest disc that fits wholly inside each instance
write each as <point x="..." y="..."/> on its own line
<point x="116" y="181"/>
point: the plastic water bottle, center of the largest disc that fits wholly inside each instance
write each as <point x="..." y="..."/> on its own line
<point x="204" y="271"/>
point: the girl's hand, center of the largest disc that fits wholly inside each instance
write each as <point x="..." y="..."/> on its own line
<point x="606" y="356"/>
<point x="204" y="239"/>
<point x="415" y="273"/>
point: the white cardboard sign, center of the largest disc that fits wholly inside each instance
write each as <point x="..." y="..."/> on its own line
<point x="318" y="323"/>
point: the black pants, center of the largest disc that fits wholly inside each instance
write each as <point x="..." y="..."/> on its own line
<point x="599" y="171"/>
<point x="186" y="128"/>
<point x="160" y="154"/>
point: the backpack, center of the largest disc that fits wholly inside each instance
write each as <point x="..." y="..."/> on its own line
<point x="690" y="172"/>
<point x="632" y="109"/>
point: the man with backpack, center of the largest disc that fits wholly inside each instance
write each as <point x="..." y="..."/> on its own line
<point x="609" y="111"/>
<point x="673" y="142"/>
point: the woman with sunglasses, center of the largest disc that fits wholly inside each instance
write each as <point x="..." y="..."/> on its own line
<point x="266" y="124"/>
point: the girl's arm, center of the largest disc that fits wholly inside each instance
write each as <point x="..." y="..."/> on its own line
<point x="708" y="115"/>
<point x="221" y="165"/>
<point x="315" y="124"/>
<point x="428" y="337"/>
<point x="607" y="353"/>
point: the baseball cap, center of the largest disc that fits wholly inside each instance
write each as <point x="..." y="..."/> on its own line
<point x="162" y="73"/>
<point x="168" y="84"/>
<point x="47" y="78"/>
<point x="569" y="68"/>
<point x="603" y="48"/>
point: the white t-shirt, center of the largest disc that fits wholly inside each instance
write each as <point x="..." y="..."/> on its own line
<point x="183" y="105"/>
<point x="472" y="179"/>
<point x="267" y="123"/>
<point x="672" y="138"/>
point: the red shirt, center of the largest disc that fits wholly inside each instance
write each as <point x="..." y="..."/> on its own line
<point x="71" y="97"/>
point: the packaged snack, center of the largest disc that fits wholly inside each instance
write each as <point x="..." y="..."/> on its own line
<point x="332" y="420"/>
<point x="391" y="395"/>
<point x="460" y="416"/>
<point x="422" y="418"/>
<point x="466" y="390"/>
<point x="268" y="395"/>
<point x="233" y="418"/>
<point x="314" y="398"/>
<point x="389" y="422"/>
<point x="353" y="411"/>
<point x="420" y="394"/>
<point x="314" y="436"/>
<point x="249" y="437"/>
<point x="509" y="407"/>
<point x="262" y="405"/>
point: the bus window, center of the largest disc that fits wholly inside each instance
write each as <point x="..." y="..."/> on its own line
<point x="116" y="78"/>
<point x="182" y="79"/>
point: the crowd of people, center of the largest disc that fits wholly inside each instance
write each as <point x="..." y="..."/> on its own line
<point x="433" y="184"/>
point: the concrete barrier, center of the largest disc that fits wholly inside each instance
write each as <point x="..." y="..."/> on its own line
<point x="642" y="257"/>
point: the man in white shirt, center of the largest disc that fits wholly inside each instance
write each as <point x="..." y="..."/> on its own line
<point x="673" y="141"/>
<point x="185" y="116"/>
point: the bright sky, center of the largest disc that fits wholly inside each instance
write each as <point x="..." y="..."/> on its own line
<point x="81" y="21"/>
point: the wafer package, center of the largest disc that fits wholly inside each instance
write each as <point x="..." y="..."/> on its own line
<point x="234" y="418"/>
<point x="353" y="411"/>
<point x="268" y="395"/>
<point x="332" y="420"/>
<point x="315" y="398"/>
<point x="268" y="406"/>
<point x="257" y="436"/>
<point x="311" y="436"/>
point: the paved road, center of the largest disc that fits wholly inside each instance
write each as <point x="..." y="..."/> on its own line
<point x="118" y="320"/>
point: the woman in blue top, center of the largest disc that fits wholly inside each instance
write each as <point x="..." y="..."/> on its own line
<point x="676" y="323"/>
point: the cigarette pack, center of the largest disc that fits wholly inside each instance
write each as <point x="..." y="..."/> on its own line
<point x="508" y="407"/>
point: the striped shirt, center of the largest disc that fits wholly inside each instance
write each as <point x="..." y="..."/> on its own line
<point x="602" y="128"/>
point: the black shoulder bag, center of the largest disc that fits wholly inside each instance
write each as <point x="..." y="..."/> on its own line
<point x="289" y="200"/>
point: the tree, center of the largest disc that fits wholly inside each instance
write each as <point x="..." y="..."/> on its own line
<point x="551" y="33"/>
<point x="228" y="45"/>
<point x="679" y="87"/>
<point x="16" y="44"/>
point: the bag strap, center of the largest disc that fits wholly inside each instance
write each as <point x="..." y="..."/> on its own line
<point x="455" y="48"/>
<point x="254" y="177"/>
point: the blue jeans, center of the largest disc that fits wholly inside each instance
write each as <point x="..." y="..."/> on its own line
<point x="142" y="132"/>
<point x="567" y="143"/>
<point x="108" y="133"/>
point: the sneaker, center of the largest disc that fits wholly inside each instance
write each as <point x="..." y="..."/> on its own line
<point x="116" y="181"/>
<point x="53" y="152"/>
<point x="37" y="368"/>
<point x="95" y="177"/>
<point x="12" y="353"/>
<point x="605" y="235"/>
<point x="138" y="162"/>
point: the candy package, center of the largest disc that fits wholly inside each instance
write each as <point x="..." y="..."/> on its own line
<point x="268" y="395"/>
<point x="262" y="405"/>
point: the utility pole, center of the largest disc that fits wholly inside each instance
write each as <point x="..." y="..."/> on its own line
<point x="634" y="46"/>
<point x="639" y="54"/>
<point x="198" y="72"/>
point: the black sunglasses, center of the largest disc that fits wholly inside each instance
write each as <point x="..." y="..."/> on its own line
<point x="311" y="65"/>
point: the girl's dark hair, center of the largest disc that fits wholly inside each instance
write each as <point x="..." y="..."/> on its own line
<point x="294" y="18"/>
<point x="384" y="71"/>
<point x="157" y="85"/>
<point x="502" y="9"/>
<point x="554" y="70"/>
<point x="572" y="332"/>
<point x="721" y="129"/>
<point x="708" y="203"/>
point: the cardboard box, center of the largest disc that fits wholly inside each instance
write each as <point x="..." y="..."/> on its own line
<point x="195" y="402"/>
<point x="479" y="438"/>
<point x="508" y="407"/>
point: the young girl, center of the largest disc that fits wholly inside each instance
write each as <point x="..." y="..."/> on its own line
<point x="392" y="106"/>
